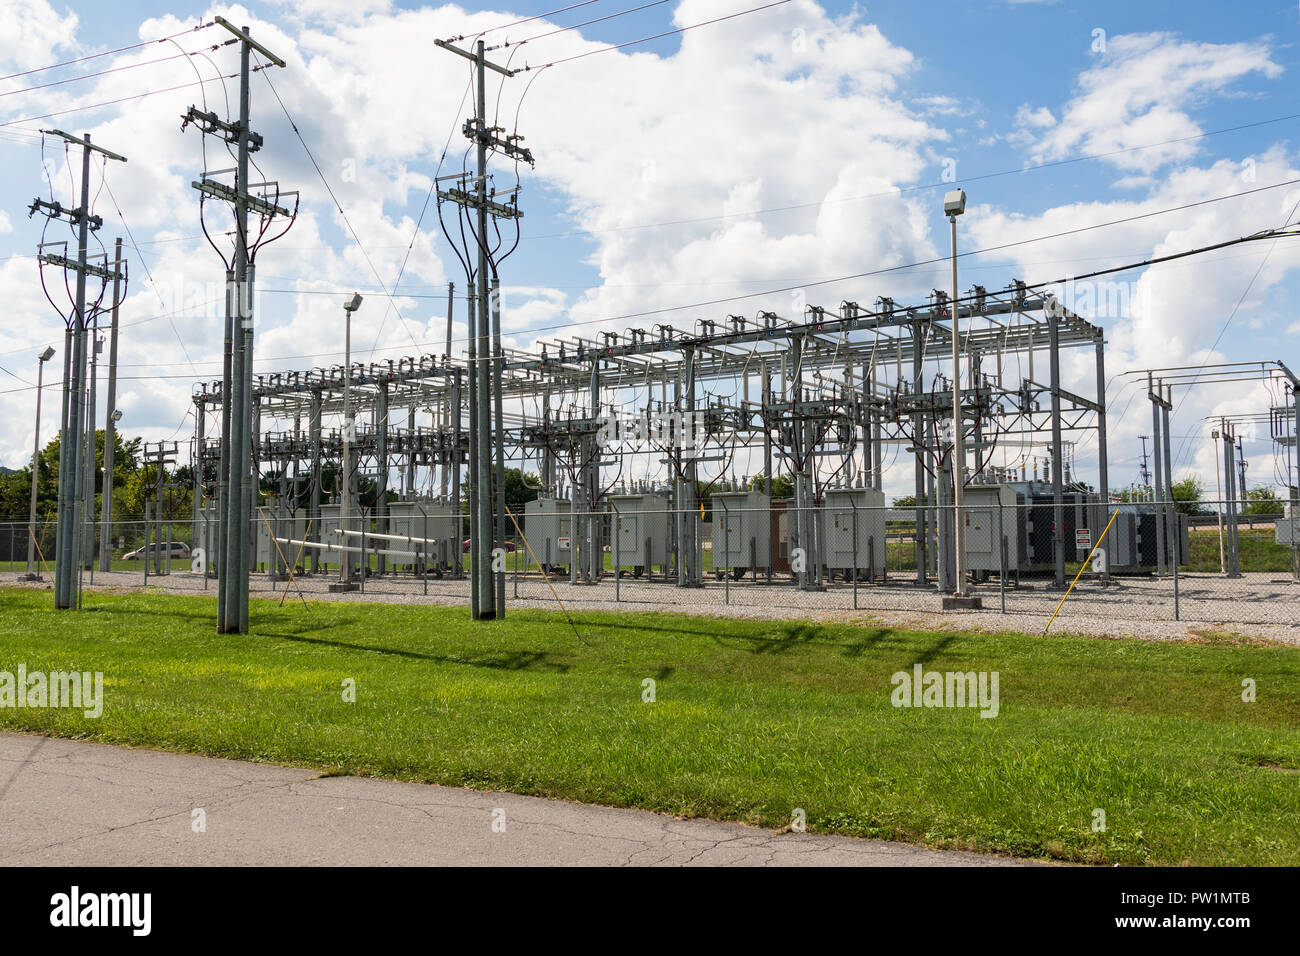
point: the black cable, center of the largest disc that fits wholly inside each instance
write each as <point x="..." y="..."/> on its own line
<point x="93" y="56"/>
<point x="658" y="36"/>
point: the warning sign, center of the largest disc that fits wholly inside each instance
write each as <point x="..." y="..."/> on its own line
<point x="1083" y="539"/>
<point x="563" y="544"/>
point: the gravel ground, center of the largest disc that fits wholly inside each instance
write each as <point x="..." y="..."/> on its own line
<point x="1255" y="606"/>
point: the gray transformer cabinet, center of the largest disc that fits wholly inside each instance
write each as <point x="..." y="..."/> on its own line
<point x="442" y="529"/>
<point x="842" y="508"/>
<point x="640" y="531"/>
<point x="284" y="527"/>
<point x="548" y="526"/>
<point x="742" y="531"/>
<point x="1121" y="543"/>
<point x="328" y="524"/>
<point x="994" y="513"/>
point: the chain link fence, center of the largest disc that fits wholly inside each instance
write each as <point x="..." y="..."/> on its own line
<point x="742" y="555"/>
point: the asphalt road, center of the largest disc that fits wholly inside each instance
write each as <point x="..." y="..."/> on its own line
<point x="65" y="802"/>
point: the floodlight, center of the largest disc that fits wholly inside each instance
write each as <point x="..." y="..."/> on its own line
<point x="954" y="202"/>
<point x="353" y="303"/>
<point x="47" y="354"/>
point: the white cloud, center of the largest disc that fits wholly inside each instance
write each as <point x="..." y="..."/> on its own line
<point x="33" y="34"/>
<point x="1140" y="92"/>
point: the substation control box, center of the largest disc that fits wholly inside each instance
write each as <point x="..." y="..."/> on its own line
<point x="548" y="526"/>
<point x="640" y="531"/>
<point x="433" y="520"/>
<point x="853" y="531"/>
<point x="742" y="531"/>
<point x="994" y="514"/>
<point x="275" y="517"/>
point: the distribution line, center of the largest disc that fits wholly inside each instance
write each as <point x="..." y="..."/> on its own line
<point x="658" y="36"/>
<point x="122" y="99"/>
<point x="334" y="198"/>
<point x="122" y="49"/>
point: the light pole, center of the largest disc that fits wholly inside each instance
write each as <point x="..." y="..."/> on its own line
<point x="954" y="204"/>
<point x="345" y="582"/>
<point x="31" y="574"/>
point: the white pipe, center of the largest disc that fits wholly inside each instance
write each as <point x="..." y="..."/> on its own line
<point x="350" y="550"/>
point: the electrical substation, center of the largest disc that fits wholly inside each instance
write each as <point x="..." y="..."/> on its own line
<point x="747" y="450"/>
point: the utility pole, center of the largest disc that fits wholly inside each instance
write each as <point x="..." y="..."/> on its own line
<point x="110" y="424"/>
<point x="486" y="364"/>
<point x="67" y="592"/>
<point x="238" y="490"/>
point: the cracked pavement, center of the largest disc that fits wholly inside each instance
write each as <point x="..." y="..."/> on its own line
<point x="69" y="802"/>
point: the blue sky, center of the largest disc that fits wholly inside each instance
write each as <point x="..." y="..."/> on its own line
<point x="859" y="116"/>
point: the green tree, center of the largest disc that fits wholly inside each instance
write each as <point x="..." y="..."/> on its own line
<point x="782" y="485"/>
<point x="1187" y="497"/>
<point x="1263" y="501"/>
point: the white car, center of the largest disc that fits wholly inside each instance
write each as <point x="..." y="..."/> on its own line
<point x="178" y="549"/>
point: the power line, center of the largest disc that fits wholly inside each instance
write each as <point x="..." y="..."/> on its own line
<point x="515" y="23"/>
<point x="348" y="222"/>
<point x="658" y="36"/>
<point x="585" y="23"/>
<point x="115" y="69"/>
<point x="93" y="56"/>
<point x="122" y="99"/>
<point x="916" y="188"/>
<point x="148" y="274"/>
<point x="433" y="185"/>
<point x="923" y="262"/>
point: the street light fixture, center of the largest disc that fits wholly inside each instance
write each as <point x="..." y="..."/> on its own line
<point x="345" y="582"/>
<point x="954" y="205"/>
<point x="41" y="359"/>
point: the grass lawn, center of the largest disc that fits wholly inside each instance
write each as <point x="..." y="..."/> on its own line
<point x="752" y="719"/>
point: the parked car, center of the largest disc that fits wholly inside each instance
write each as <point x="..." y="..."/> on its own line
<point x="177" y="549"/>
<point x="510" y="546"/>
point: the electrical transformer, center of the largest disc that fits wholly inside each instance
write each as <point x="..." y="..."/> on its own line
<point x="1149" y="539"/>
<point x="1286" y="532"/>
<point x="852" y="525"/>
<point x="994" y="514"/>
<point x="742" y="532"/>
<point x="548" y="525"/>
<point x="328" y="525"/>
<point x="640" y="531"/>
<point x="284" y="527"/>
<point x="442" y="528"/>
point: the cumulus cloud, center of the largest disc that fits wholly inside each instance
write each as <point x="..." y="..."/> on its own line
<point x="1140" y="92"/>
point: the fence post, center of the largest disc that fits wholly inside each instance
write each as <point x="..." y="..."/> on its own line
<point x="618" y="535"/>
<point x="365" y="561"/>
<point x="726" y="544"/>
<point x="1177" y="609"/>
<point x="854" y="505"/>
<point x="1002" y="564"/>
<point x="424" y="569"/>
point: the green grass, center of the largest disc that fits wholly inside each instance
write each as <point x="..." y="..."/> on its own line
<point x="752" y="718"/>
<point x="1257" y="550"/>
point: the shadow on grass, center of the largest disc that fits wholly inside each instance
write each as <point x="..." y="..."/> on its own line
<point x="791" y="636"/>
<point x="513" y="661"/>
